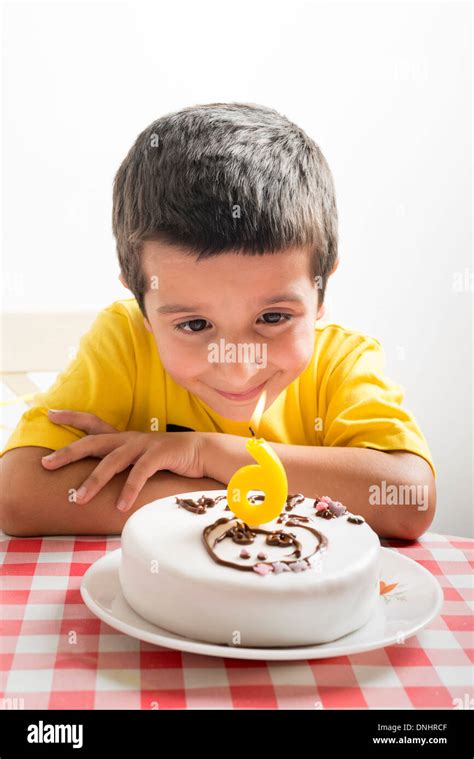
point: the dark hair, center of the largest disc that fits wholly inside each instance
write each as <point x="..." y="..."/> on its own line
<point x="224" y="177"/>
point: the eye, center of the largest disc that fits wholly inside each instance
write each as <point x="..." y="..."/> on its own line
<point x="196" y="325"/>
<point x="274" y="317"/>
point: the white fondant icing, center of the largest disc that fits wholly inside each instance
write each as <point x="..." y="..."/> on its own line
<point x="168" y="577"/>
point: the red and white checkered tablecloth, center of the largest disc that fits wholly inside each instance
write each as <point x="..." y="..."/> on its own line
<point x="55" y="654"/>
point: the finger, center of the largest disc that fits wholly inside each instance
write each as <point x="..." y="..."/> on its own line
<point x="115" y="462"/>
<point x="145" y="467"/>
<point x="89" y="445"/>
<point x="83" y="420"/>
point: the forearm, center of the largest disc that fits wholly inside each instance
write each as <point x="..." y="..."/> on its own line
<point x="345" y="474"/>
<point x="38" y="502"/>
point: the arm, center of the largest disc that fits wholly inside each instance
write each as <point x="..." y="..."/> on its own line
<point x="35" y="501"/>
<point x="345" y="474"/>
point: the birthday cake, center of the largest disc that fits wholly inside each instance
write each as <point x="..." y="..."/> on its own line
<point x="309" y="576"/>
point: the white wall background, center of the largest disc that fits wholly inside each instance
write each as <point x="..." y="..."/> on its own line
<point x="385" y="89"/>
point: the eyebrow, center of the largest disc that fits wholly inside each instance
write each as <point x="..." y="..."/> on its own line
<point x="178" y="308"/>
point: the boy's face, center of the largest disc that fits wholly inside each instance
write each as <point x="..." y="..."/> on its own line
<point x="216" y="333"/>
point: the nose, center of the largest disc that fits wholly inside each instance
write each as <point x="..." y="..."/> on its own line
<point x="238" y="376"/>
<point x="242" y="363"/>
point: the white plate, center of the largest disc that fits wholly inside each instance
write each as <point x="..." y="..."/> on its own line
<point x="402" y="612"/>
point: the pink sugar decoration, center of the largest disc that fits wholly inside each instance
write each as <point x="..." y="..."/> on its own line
<point x="337" y="508"/>
<point x="280" y="566"/>
<point x="263" y="569"/>
<point x="299" y="566"/>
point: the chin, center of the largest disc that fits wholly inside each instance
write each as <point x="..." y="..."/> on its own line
<point x="235" y="413"/>
<point x="238" y="414"/>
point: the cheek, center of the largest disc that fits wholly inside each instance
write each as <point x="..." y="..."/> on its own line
<point x="186" y="361"/>
<point x="181" y="361"/>
<point x="294" y="349"/>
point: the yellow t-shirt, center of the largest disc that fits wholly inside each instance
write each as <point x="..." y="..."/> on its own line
<point x="342" y="398"/>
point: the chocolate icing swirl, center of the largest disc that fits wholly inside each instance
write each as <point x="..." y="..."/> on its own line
<point x="204" y="502"/>
<point x="355" y="519"/>
<point x="293" y="500"/>
<point x="240" y="532"/>
<point x="200" y="506"/>
<point x="283" y="518"/>
<point x="283" y="540"/>
<point x="274" y="537"/>
<point x="325" y="514"/>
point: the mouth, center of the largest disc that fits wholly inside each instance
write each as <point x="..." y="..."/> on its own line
<point x="248" y="396"/>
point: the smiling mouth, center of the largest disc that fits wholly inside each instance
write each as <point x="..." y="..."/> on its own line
<point x="249" y="395"/>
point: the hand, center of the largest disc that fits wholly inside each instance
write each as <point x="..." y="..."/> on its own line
<point x="147" y="452"/>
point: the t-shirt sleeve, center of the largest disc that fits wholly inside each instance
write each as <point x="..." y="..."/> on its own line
<point x="99" y="379"/>
<point x="364" y="407"/>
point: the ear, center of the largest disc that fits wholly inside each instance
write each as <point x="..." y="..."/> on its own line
<point x="147" y="325"/>
<point x="121" y="278"/>
<point x="334" y="267"/>
<point x="321" y="311"/>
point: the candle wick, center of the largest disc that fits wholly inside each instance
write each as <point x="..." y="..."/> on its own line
<point x="251" y="430"/>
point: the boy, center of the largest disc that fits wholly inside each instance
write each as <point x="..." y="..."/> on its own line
<point x="226" y="226"/>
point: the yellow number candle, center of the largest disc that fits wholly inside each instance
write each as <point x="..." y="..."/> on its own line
<point x="267" y="475"/>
